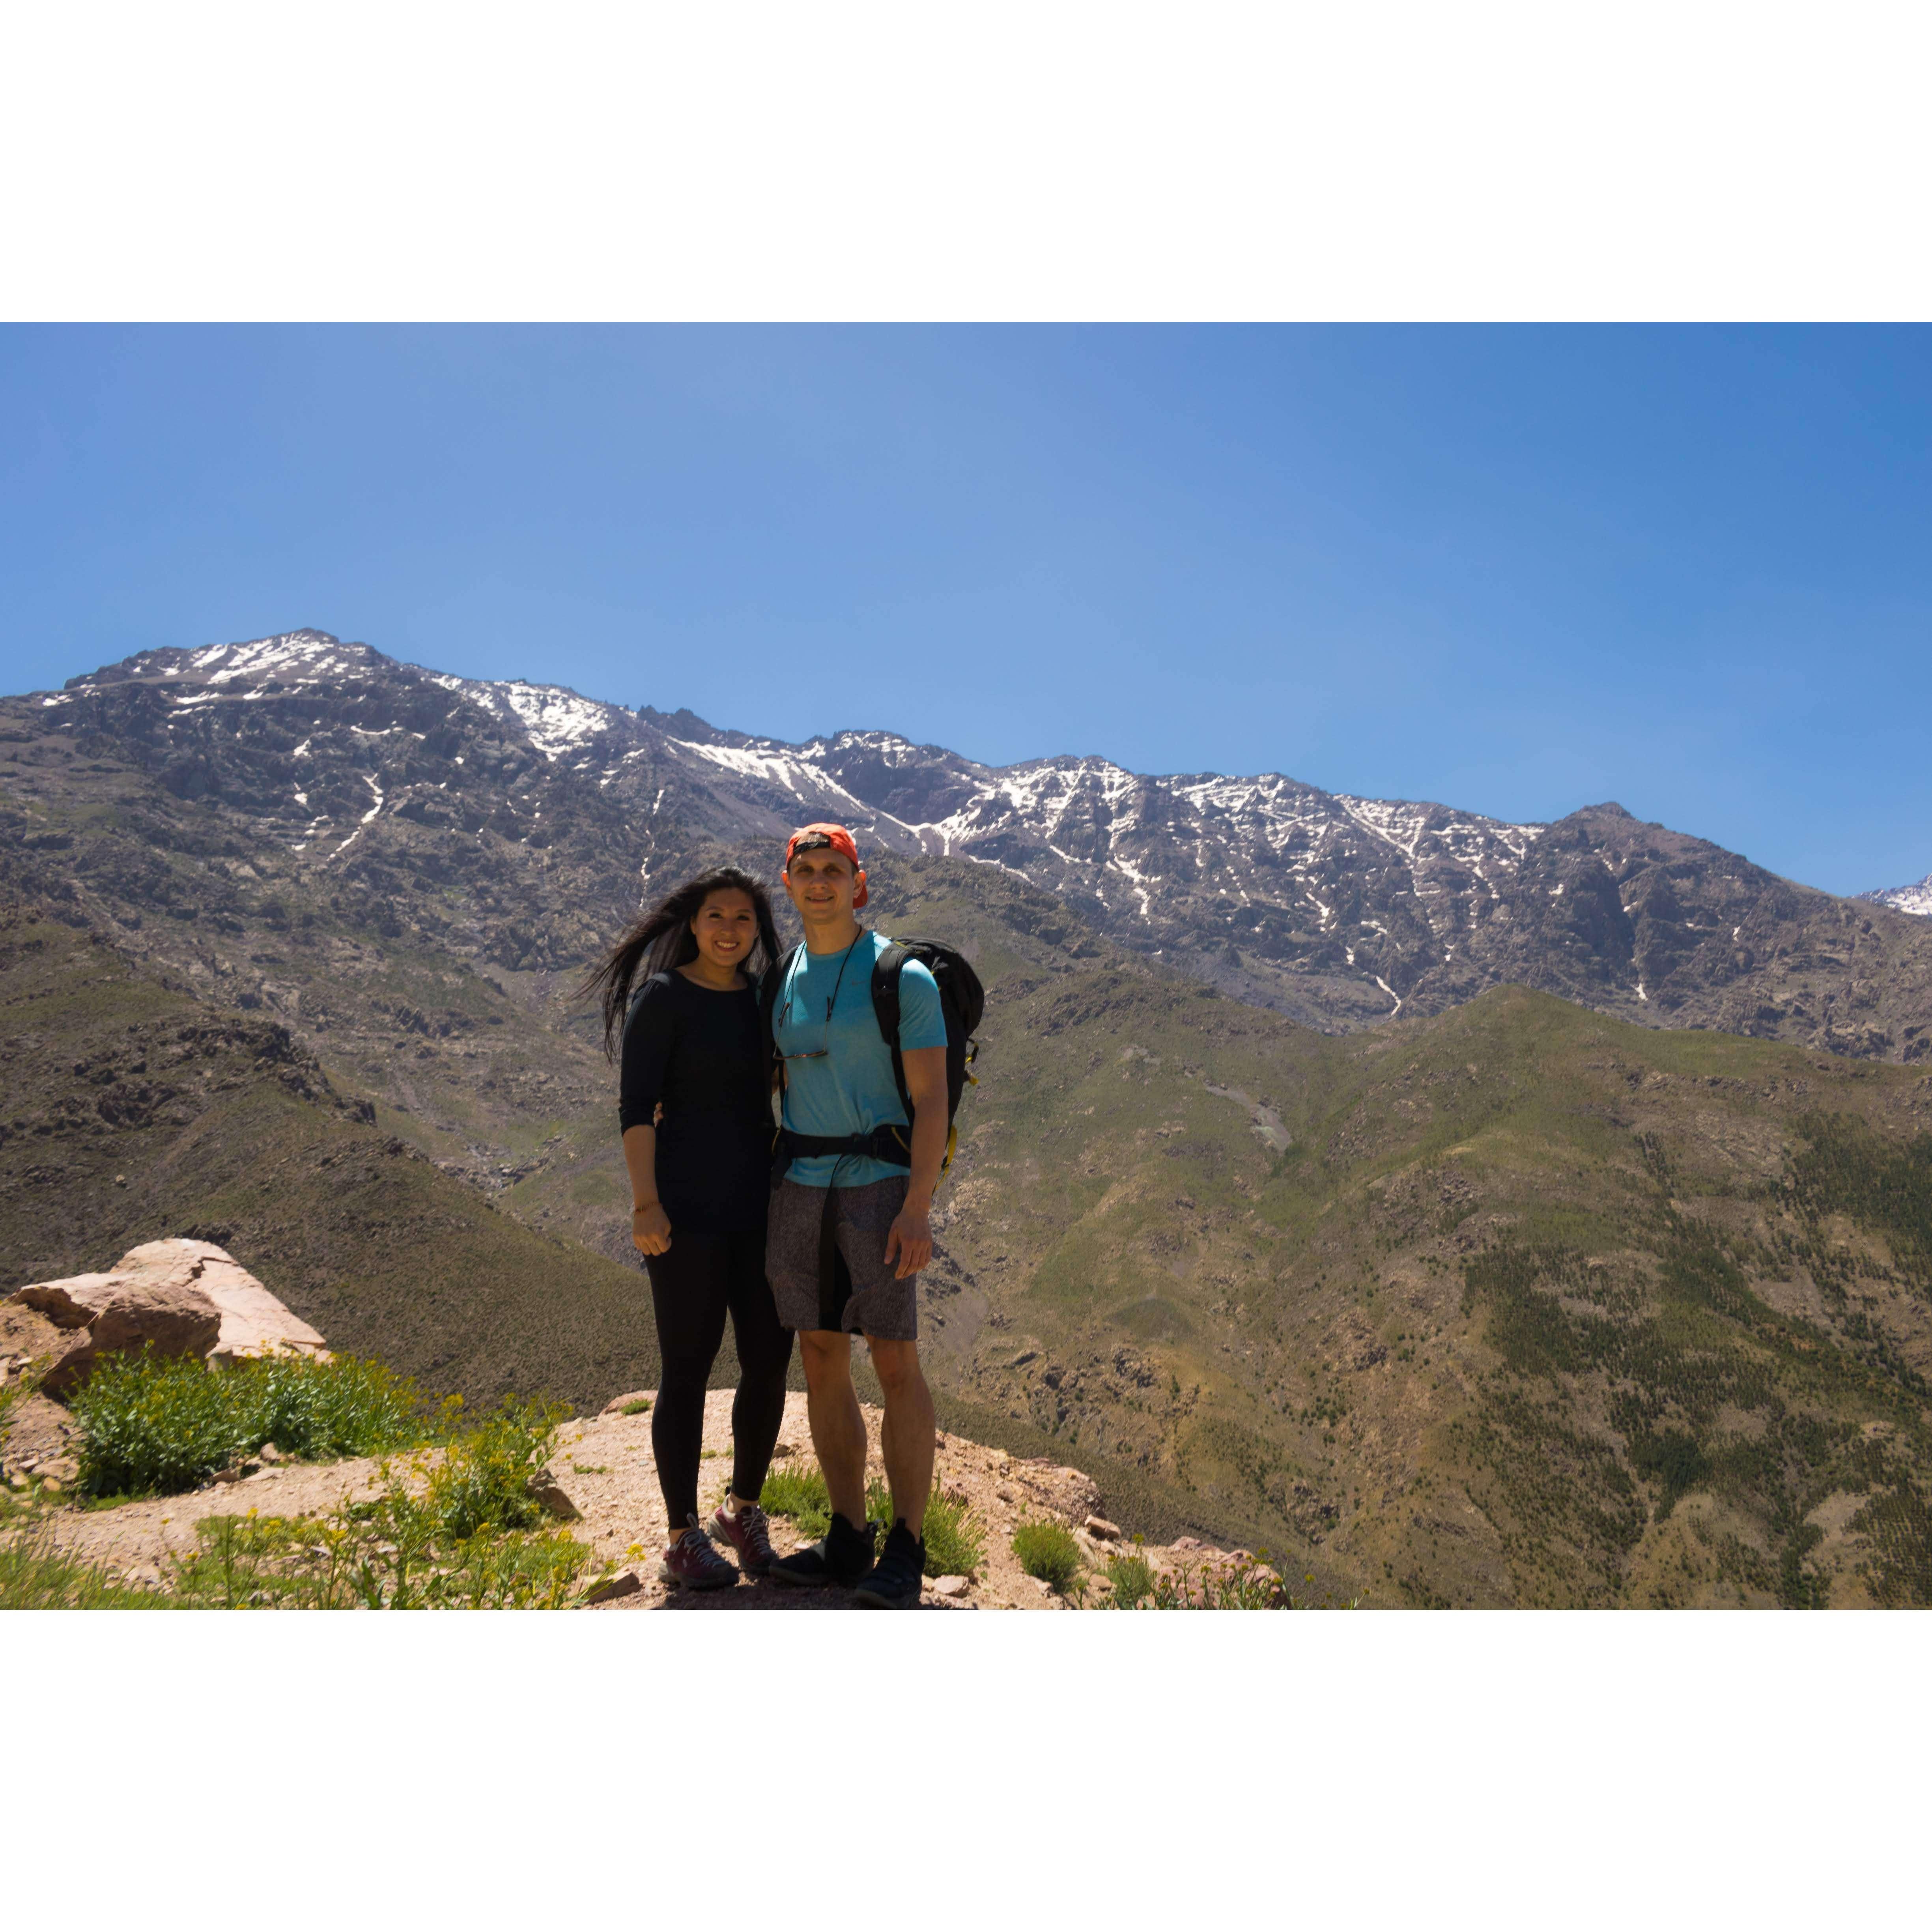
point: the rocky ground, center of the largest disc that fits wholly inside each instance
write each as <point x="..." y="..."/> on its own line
<point x="604" y="1465"/>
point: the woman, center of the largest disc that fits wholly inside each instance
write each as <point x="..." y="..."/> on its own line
<point x="695" y="1113"/>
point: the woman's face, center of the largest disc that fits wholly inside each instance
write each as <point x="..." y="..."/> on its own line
<point x="726" y="928"/>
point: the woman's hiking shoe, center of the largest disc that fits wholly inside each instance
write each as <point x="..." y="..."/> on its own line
<point x="899" y="1575"/>
<point x="838" y="1560"/>
<point x="748" y="1535"/>
<point x="693" y="1565"/>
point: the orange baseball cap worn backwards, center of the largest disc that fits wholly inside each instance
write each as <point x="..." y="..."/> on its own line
<point x="835" y="837"/>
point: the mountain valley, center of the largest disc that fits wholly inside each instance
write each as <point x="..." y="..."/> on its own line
<point x="1479" y="1213"/>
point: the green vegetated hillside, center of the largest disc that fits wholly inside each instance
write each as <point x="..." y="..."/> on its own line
<point x="1517" y="1304"/>
<point x="131" y="1112"/>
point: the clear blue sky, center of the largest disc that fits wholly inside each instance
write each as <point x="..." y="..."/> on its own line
<point x="1518" y="570"/>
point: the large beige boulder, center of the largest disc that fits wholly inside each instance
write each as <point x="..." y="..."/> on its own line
<point x="159" y="1316"/>
<point x="254" y="1322"/>
<point x="177" y="1297"/>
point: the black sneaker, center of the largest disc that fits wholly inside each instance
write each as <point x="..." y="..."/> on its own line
<point x="895" y="1582"/>
<point x="837" y="1560"/>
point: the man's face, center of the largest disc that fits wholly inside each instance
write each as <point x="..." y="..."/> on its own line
<point x="822" y="884"/>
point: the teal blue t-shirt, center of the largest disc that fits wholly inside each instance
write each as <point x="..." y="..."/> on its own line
<point x="851" y="1090"/>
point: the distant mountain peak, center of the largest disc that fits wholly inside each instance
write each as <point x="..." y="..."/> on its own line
<point x="1914" y="898"/>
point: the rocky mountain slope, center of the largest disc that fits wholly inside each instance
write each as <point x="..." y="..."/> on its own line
<point x="510" y="824"/>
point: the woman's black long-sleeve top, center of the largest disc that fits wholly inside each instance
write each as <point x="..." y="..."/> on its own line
<point x="698" y="1053"/>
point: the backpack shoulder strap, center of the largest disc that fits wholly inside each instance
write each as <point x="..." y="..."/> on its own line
<point x="885" y="968"/>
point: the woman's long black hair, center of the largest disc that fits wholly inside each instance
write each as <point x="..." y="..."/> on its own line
<point x="663" y="940"/>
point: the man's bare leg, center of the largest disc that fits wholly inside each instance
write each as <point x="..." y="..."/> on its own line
<point x="837" y="1428"/>
<point x="906" y="1437"/>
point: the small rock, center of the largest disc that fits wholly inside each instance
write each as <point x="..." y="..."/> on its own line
<point x="783" y="1449"/>
<point x="1098" y="1527"/>
<point x="625" y="1583"/>
<point x="951" y="1586"/>
<point x="618" y="1404"/>
<point x="544" y="1488"/>
<point x="51" y="1487"/>
<point x="18" y="1479"/>
<point x="268" y="1452"/>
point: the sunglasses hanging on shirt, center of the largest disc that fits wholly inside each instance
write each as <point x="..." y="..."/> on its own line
<point x="784" y="1012"/>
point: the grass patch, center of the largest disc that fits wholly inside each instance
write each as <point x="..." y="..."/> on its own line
<point x="11" y="1392"/>
<point x="459" y="1531"/>
<point x="33" y="1576"/>
<point x="1047" y="1550"/>
<point x="638" y="1408"/>
<point x="153" y="1427"/>
<point x="1130" y="1582"/>
<point x="956" y="1538"/>
<point x="800" y="1494"/>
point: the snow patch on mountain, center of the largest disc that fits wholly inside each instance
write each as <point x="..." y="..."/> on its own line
<point x="1917" y="898"/>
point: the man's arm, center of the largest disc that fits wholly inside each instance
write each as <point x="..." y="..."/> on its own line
<point x="909" y="1237"/>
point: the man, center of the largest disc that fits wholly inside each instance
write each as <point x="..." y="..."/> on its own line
<point x="854" y="1191"/>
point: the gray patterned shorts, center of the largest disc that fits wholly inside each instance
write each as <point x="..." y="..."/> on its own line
<point x="875" y="1302"/>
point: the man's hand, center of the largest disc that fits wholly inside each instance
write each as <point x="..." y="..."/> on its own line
<point x="909" y="1237"/>
<point x="650" y="1229"/>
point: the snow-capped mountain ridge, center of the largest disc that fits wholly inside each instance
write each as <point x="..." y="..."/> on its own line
<point x="1338" y="909"/>
<point x="1915" y="899"/>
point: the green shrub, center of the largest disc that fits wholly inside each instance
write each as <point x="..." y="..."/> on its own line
<point x="321" y="1410"/>
<point x="481" y="1482"/>
<point x="152" y="1425"/>
<point x="637" y="1407"/>
<point x="1047" y="1550"/>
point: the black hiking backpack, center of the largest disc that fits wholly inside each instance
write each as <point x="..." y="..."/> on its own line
<point x="962" y="1000"/>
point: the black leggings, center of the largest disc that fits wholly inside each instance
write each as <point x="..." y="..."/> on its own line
<point x="693" y="1284"/>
